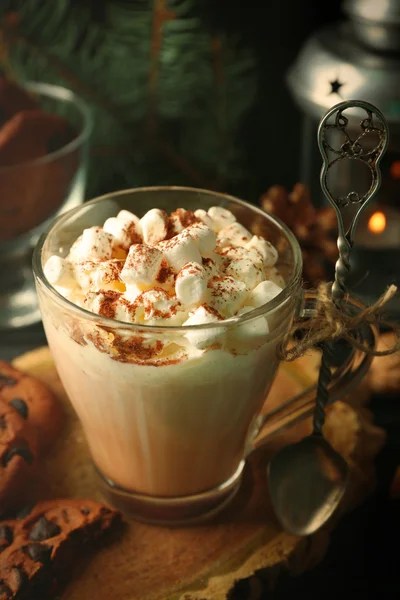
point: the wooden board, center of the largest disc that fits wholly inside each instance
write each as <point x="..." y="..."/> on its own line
<point x="202" y="562"/>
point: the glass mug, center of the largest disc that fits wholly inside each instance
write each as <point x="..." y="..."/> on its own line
<point x="32" y="193"/>
<point x="169" y="436"/>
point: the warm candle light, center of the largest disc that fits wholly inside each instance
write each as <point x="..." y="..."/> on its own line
<point x="395" y="169"/>
<point x="377" y="223"/>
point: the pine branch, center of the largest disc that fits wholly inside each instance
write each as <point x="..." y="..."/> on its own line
<point x="161" y="15"/>
<point x="88" y="93"/>
<point x="167" y="94"/>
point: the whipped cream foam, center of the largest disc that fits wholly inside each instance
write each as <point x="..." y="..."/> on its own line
<point x="185" y="268"/>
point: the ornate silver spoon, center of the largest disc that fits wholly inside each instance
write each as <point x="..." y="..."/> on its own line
<point x="307" y="480"/>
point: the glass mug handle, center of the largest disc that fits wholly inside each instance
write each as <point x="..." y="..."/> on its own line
<point x="299" y="407"/>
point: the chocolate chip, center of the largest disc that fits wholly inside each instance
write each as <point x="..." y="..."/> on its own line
<point x="44" y="529"/>
<point x="6" y="534"/>
<point x="38" y="552"/>
<point x="85" y="511"/>
<point x="65" y="515"/>
<point x="25" y="511"/>
<point x="20" y="406"/>
<point x="6" y="381"/>
<point x="3" y="423"/>
<point x="22" y="451"/>
<point x="20" y="578"/>
<point x="5" y="592"/>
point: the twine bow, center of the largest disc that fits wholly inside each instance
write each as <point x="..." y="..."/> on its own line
<point x="331" y="323"/>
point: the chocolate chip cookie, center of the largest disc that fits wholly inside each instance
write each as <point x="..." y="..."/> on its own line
<point x="32" y="401"/>
<point x="38" y="551"/>
<point x="18" y="452"/>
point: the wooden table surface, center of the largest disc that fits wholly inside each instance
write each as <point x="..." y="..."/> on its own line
<point x="203" y="562"/>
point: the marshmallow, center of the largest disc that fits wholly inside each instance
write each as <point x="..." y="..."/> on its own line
<point x="83" y="272"/>
<point x="107" y="275"/>
<point x="59" y="272"/>
<point x="95" y="244"/>
<point x="126" y="215"/>
<point x="210" y="267"/>
<point x="252" y="329"/>
<point x="223" y="243"/>
<point x="273" y="274"/>
<point x="154" y="226"/>
<point x="142" y="265"/>
<point x="203" y="217"/>
<point x="221" y="217"/>
<point x="94" y="300"/>
<point x="266" y="249"/>
<point x="124" y="232"/>
<point x="201" y="338"/>
<point x="239" y="252"/>
<point x="180" y="250"/>
<point x="236" y="233"/>
<point x="226" y="295"/>
<point x="110" y="304"/>
<point x="73" y="255"/>
<point x="156" y="305"/>
<point x="263" y="293"/>
<point x="104" y="274"/>
<point x="132" y="292"/>
<point x="191" y="284"/>
<point x="180" y="219"/>
<point x="246" y="271"/>
<point x="166" y="277"/>
<point x="204" y="237"/>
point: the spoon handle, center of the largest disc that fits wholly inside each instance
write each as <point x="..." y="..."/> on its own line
<point x="373" y="126"/>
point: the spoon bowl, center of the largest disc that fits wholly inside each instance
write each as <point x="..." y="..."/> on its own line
<point x="307" y="481"/>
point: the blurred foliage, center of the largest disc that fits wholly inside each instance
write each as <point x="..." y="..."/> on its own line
<point x="170" y="90"/>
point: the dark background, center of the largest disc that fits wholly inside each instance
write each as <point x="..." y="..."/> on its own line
<point x="278" y="29"/>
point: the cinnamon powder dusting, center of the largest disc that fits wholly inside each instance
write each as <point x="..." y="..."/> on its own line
<point x="165" y="272"/>
<point x="136" y="347"/>
<point x="150" y="310"/>
<point x="133" y="234"/>
<point x="134" y="350"/>
<point x="185" y="217"/>
<point x="108" y="304"/>
<point x="192" y="269"/>
<point x="170" y="229"/>
<point x="101" y="339"/>
<point x="214" y="281"/>
<point x="212" y="311"/>
<point x="113" y="271"/>
<point x="182" y="216"/>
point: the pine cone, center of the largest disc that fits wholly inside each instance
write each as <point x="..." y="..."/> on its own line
<point x="384" y="373"/>
<point x="315" y="229"/>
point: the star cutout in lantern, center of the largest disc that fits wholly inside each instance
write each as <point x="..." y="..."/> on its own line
<point x="335" y="87"/>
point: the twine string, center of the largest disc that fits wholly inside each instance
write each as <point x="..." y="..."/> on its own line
<point x="331" y="323"/>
